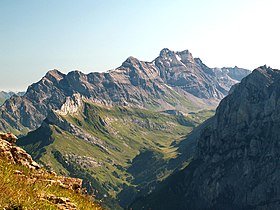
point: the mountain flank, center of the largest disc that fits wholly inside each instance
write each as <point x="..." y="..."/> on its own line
<point x="119" y="151"/>
<point x="236" y="164"/>
<point x="6" y="95"/>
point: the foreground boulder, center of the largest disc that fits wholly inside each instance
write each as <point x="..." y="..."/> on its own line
<point x="9" y="137"/>
<point x="14" y="154"/>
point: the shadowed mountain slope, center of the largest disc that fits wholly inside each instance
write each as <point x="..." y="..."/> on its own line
<point x="236" y="165"/>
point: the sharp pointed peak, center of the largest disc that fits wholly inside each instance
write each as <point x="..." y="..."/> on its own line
<point x="265" y="67"/>
<point x="54" y="74"/>
<point x="165" y="52"/>
<point x="75" y="72"/>
<point x="131" y="59"/>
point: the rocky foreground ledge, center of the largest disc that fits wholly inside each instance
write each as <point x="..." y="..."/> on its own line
<point x="15" y="155"/>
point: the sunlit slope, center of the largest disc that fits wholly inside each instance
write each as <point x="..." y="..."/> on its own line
<point x="115" y="150"/>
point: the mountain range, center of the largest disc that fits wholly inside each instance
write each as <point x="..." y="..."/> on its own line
<point x="172" y="81"/>
<point x="6" y="95"/>
<point x="124" y="131"/>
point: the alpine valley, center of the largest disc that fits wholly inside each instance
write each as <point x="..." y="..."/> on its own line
<point x="128" y="132"/>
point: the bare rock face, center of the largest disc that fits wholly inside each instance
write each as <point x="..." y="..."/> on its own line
<point x="237" y="163"/>
<point x="170" y="81"/>
<point x="6" y="95"/>
<point x="14" y="154"/>
<point x="240" y="149"/>
<point x="11" y="138"/>
<point x="180" y="69"/>
<point x="70" y="183"/>
<point x="71" y="105"/>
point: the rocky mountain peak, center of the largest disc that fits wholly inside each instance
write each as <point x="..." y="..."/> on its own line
<point x="165" y="52"/>
<point x="186" y="56"/>
<point x="76" y="77"/>
<point x="131" y="61"/>
<point x="180" y="56"/>
<point x="134" y="83"/>
<point x="54" y="75"/>
<point x="75" y="72"/>
<point x="267" y="72"/>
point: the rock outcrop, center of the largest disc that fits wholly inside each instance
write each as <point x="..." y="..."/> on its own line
<point x="11" y="138"/>
<point x="16" y="155"/>
<point x="237" y="157"/>
<point x="61" y="202"/>
<point x="6" y="95"/>
<point x="174" y="80"/>
<point x="26" y="185"/>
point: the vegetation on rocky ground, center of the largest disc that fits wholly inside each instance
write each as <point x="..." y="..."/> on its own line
<point x="19" y="189"/>
<point x="123" y="140"/>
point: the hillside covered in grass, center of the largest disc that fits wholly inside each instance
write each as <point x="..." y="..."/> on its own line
<point x="120" y="152"/>
<point x="25" y="185"/>
<point x="19" y="189"/>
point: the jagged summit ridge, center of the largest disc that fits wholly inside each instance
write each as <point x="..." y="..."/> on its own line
<point x="171" y="80"/>
<point x="179" y="56"/>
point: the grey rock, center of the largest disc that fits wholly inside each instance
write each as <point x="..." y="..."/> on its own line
<point x="6" y="95"/>
<point x="15" y="155"/>
<point x="169" y="82"/>
<point x="236" y="164"/>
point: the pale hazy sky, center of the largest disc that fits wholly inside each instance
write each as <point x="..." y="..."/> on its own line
<point x="98" y="35"/>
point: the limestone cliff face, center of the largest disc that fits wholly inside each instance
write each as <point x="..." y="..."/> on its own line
<point x="240" y="149"/>
<point x="71" y="105"/>
<point x="237" y="163"/>
<point x="171" y="81"/>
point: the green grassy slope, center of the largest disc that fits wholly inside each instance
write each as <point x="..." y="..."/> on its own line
<point x="128" y="152"/>
<point x="22" y="191"/>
